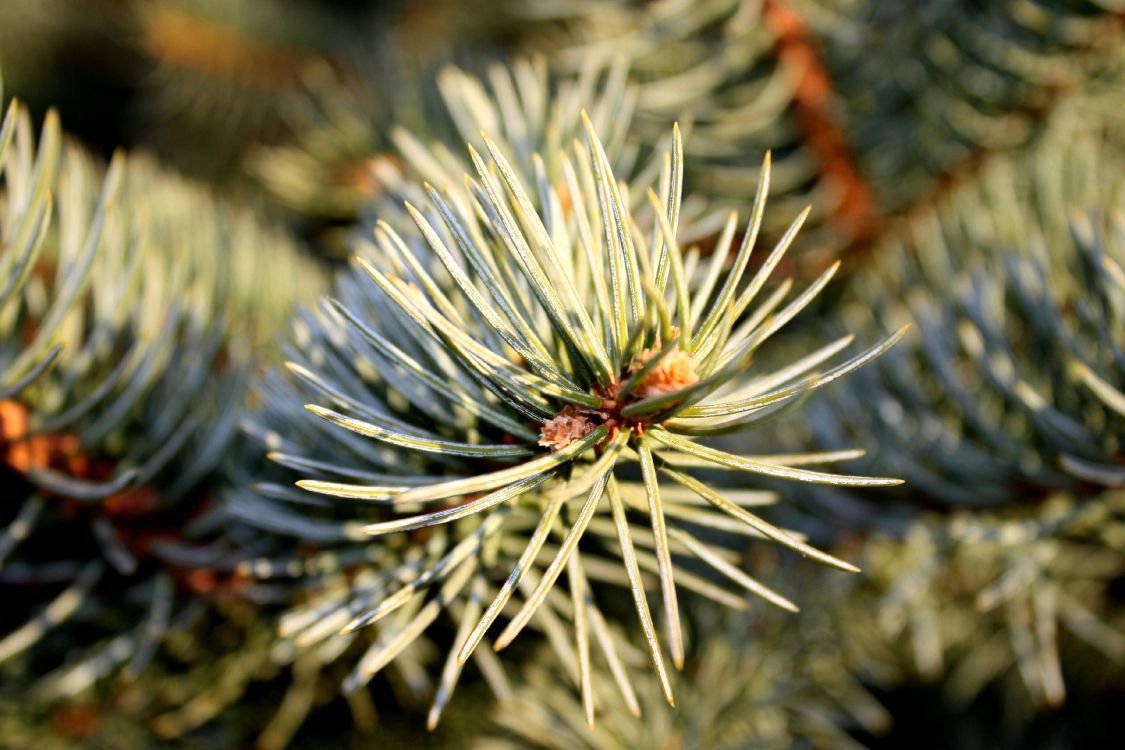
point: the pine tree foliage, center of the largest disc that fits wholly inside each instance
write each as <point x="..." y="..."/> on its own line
<point x="1014" y="388"/>
<point x="717" y="67"/>
<point x="987" y="597"/>
<point x="134" y="308"/>
<point x="542" y="394"/>
<point x="781" y="691"/>
<point x="1004" y="414"/>
<point x="527" y="110"/>
<point x="746" y="76"/>
<point x="736" y="98"/>
<point x="362" y="142"/>
<point x="503" y="358"/>
<point x="328" y="167"/>
<point x="928" y="87"/>
<point x="184" y="697"/>
<point x="868" y="105"/>
<point x="197" y="81"/>
<point x="320" y="172"/>
<point x="221" y="73"/>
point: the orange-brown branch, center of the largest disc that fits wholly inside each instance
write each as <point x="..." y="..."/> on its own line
<point x="855" y="214"/>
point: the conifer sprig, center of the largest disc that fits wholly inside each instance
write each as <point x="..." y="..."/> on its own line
<point x="514" y="352"/>
<point x="1015" y="387"/>
<point x="750" y="682"/>
<point x="132" y="308"/>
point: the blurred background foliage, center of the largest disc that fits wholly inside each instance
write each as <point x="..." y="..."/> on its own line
<point x="962" y="158"/>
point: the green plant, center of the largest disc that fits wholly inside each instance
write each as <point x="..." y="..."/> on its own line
<point x="522" y="362"/>
<point x="782" y="690"/>
<point x="1004" y="415"/>
<point x="1014" y="388"/>
<point x="133" y="309"/>
<point x="984" y="597"/>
